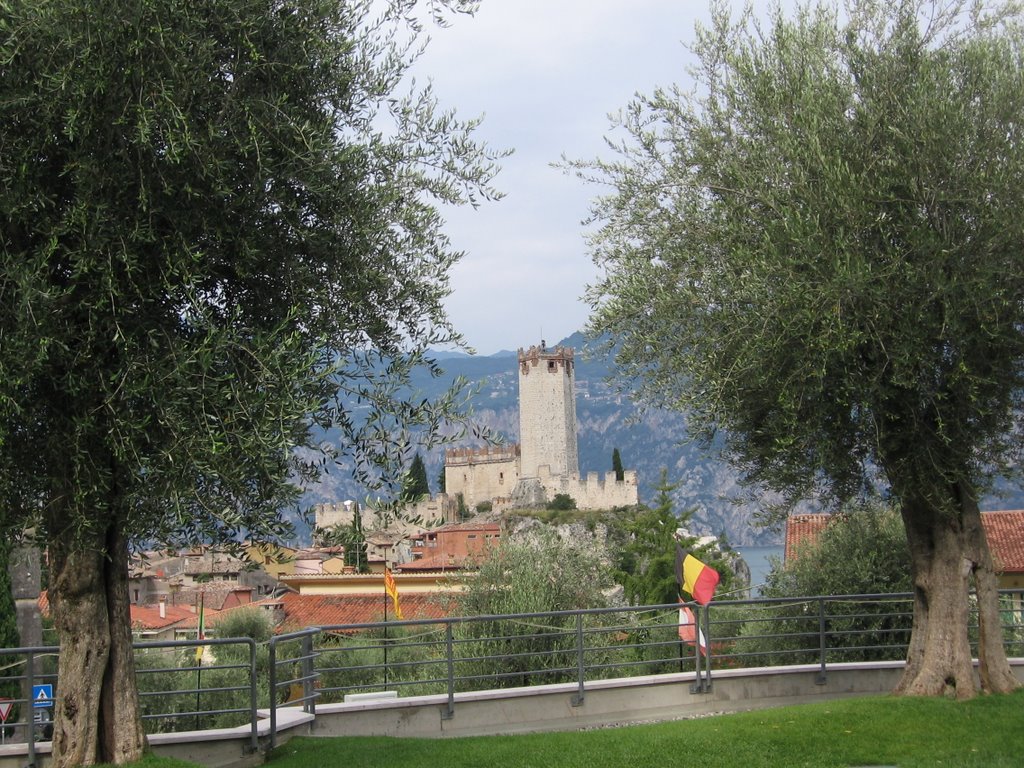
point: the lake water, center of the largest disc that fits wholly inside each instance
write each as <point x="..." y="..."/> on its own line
<point x="759" y="560"/>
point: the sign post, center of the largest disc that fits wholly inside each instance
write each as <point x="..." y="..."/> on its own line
<point x="5" y="711"/>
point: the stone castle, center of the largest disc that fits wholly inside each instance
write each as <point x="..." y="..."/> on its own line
<point x="546" y="460"/>
<point x="531" y="473"/>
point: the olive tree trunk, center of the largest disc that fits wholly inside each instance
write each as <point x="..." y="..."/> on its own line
<point x="946" y="551"/>
<point x="96" y="714"/>
<point x="993" y="666"/>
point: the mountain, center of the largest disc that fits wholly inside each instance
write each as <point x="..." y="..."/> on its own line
<point x="648" y="442"/>
<point x="605" y="420"/>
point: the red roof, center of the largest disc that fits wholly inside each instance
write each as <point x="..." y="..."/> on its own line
<point x="1004" y="531"/>
<point x="439" y="562"/>
<point x="301" y="611"/>
<point x="1005" y="534"/>
<point x="148" y="616"/>
<point x="470" y="525"/>
<point x="802" y="529"/>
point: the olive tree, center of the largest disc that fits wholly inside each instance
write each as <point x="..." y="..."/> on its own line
<point x="532" y="572"/>
<point x="219" y="222"/>
<point x="816" y="254"/>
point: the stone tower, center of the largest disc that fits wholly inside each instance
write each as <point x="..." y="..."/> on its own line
<point x="547" y="412"/>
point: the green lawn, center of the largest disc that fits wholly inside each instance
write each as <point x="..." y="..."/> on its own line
<point x="987" y="731"/>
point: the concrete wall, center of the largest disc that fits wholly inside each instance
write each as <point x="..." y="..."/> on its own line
<point x="629" y="700"/>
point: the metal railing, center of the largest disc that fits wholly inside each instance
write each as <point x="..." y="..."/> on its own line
<point x="455" y="655"/>
<point x="177" y="691"/>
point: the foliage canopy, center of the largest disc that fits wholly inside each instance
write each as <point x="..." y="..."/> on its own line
<point x="816" y="255"/>
<point x="816" y="250"/>
<point x="219" y="223"/>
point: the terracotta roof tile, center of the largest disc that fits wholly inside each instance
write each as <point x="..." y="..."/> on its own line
<point x="802" y="529"/>
<point x="439" y="562"/>
<point x="148" y="616"/>
<point x="1004" y="531"/>
<point x="1005" y="534"/>
<point x="301" y="611"/>
<point x="470" y="525"/>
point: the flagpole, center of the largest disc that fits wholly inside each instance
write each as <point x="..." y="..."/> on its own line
<point x="200" y="632"/>
<point x="386" y="598"/>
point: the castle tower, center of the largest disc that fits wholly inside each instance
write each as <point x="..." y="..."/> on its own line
<point x="547" y="411"/>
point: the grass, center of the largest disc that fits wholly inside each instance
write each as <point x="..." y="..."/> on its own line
<point x="152" y="761"/>
<point x="906" y="732"/>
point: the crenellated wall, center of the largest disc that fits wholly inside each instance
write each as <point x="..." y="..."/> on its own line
<point x="481" y="474"/>
<point x="595" y="491"/>
<point x="435" y="510"/>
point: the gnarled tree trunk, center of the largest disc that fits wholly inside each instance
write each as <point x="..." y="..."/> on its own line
<point x="96" y="716"/>
<point x="939" y="658"/>
<point x="993" y="666"/>
<point x="946" y="550"/>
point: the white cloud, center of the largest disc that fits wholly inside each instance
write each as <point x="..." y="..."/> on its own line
<point x="545" y="74"/>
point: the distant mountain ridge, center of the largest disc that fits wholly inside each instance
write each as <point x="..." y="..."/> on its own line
<point x="647" y="441"/>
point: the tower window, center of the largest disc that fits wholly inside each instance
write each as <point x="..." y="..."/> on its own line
<point x="552" y="365"/>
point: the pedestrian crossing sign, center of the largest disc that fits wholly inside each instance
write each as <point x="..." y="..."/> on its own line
<point x="42" y="695"/>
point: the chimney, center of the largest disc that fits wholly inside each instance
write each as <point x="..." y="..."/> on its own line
<point x="163" y="607"/>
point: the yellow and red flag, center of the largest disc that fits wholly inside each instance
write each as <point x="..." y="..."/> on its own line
<point x="694" y="577"/>
<point x="392" y="591"/>
<point x="201" y="633"/>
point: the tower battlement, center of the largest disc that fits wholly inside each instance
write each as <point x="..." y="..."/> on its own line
<point x="557" y="359"/>
<point x="546" y="460"/>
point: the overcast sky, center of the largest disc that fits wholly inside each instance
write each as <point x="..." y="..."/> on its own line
<point x="545" y="74"/>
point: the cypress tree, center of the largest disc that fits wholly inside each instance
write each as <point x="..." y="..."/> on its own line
<point x="416" y="484"/>
<point x="617" y="465"/>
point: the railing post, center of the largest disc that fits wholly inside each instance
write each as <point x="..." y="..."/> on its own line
<point x="308" y="700"/>
<point x="449" y="642"/>
<point x="581" y="675"/>
<point x="698" y="683"/>
<point x="254" y="743"/>
<point x="706" y="611"/>
<point x="822" y="677"/>
<point x="702" y="682"/>
<point x="272" y="682"/>
<point x="30" y="712"/>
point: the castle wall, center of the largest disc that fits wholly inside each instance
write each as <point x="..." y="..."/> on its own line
<point x="547" y="411"/>
<point x="593" y="491"/>
<point x="437" y="510"/>
<point x="338" y="513"/>
<point x="481" y="474"/>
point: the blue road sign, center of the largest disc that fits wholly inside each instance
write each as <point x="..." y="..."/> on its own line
<point x="42" y="695"/>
